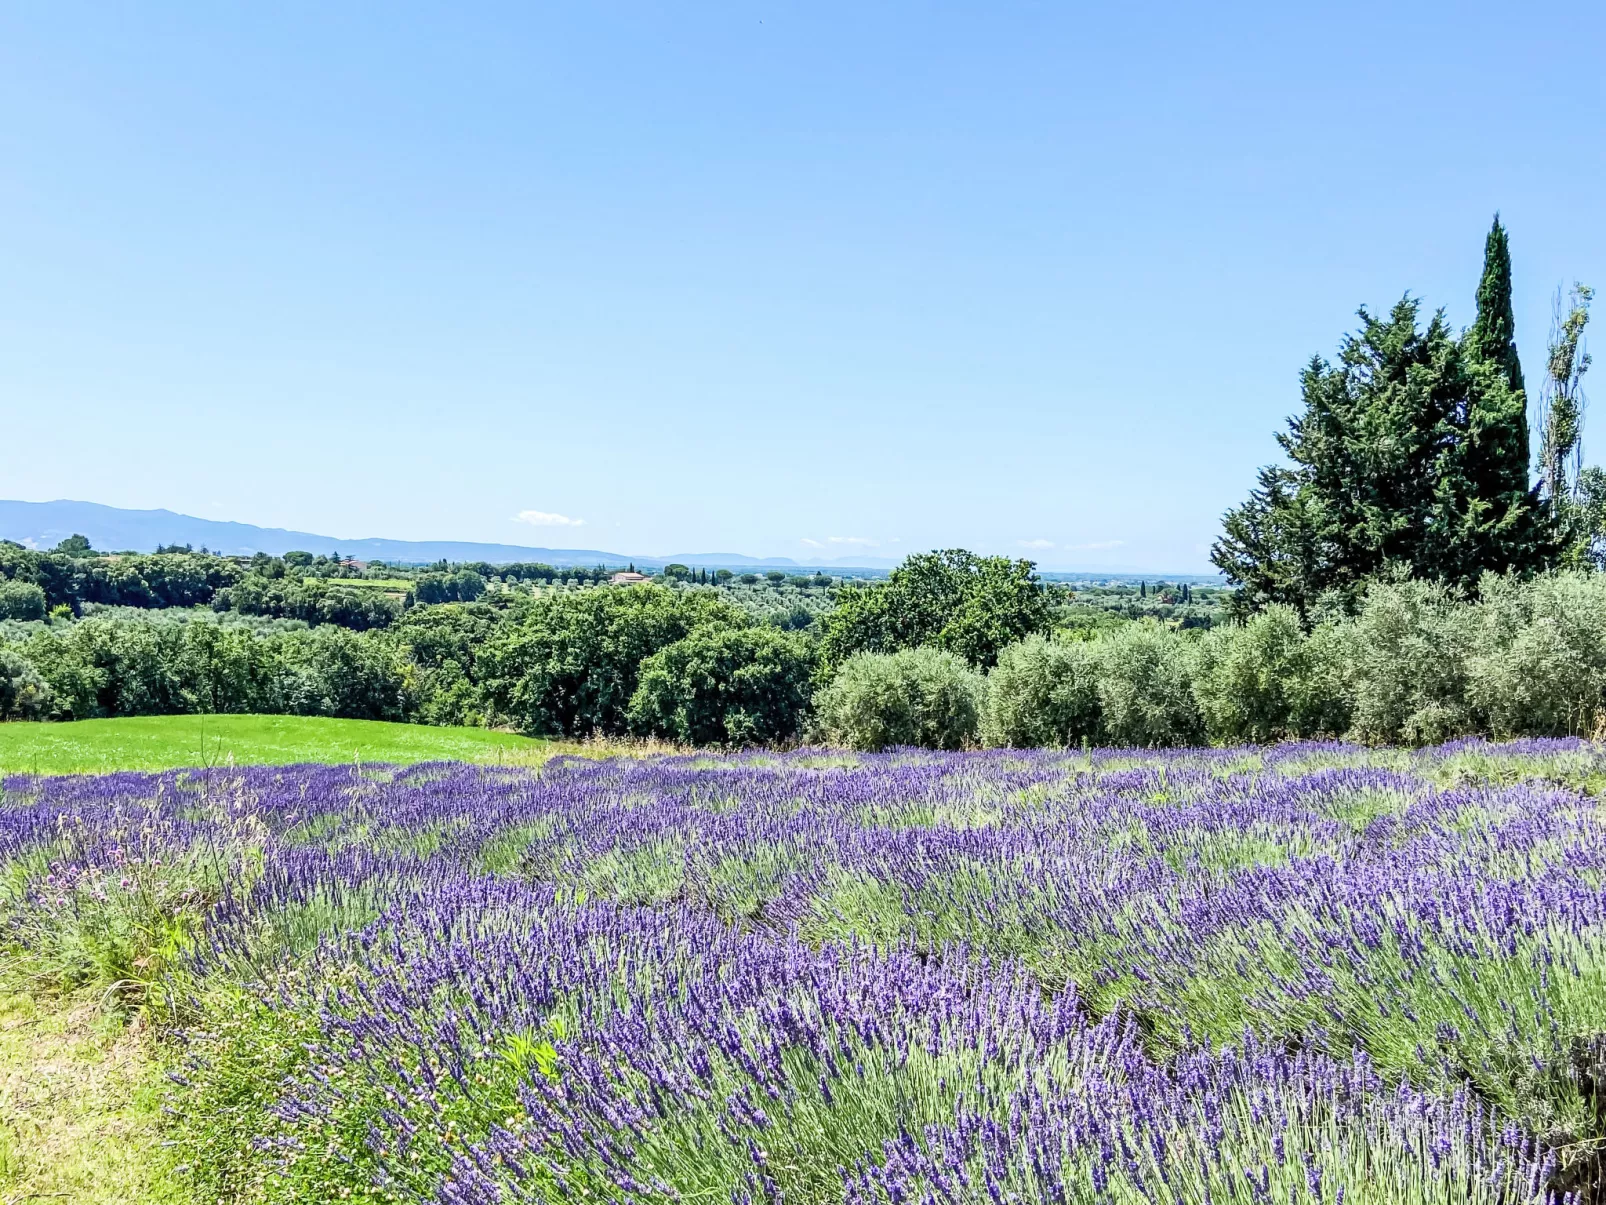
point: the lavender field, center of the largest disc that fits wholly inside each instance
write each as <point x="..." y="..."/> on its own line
<point x="1304" y="973"/>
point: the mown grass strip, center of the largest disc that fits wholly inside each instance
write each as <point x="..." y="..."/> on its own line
<point x="80" y="1099"/>
<point x="173" y="741"/>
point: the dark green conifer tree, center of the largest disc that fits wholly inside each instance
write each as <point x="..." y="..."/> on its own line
<point x="1493" y="515"/>
<point x="1411" y="454"/>
<point x="1493" y="335"/>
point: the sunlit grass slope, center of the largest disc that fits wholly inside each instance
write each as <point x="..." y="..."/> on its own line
<point x="170" y="741"/>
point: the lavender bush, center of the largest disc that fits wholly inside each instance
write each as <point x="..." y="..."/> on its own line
<point x="1311" y="972"/>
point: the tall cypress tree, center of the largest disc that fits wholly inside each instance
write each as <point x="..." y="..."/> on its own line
<point x="1493" y="336"/>
<point x="1495" y="515"/>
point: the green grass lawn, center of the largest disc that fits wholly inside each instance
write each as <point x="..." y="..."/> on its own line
<point x="165" y="742"/>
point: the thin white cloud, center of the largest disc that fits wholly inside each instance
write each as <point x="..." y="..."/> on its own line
<point x="852" y="541"/>
<point x="546" y="518"/>
<point x="1095" y="546"/>
<point x="1035" y="543"/>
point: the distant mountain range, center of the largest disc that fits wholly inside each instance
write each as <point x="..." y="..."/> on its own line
<point x="112" y="529"/>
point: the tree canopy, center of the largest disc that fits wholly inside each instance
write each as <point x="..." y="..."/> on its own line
<point x="1410" y="455"/>
<point x="724" y="686"/>
<point x="954" y="600"/>
<point x="572" y="663"/>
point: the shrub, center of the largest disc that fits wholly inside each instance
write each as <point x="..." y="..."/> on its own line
<point x="24" y="695"/>
<point x="21" y="600"/>
<point x="914" y="697"/>
<point x="1538" y="655"/>
<point x="1411" y="641"/>
<point x="1145" y="687"/>
<point x="724" y="686"/>
<point x="1268" y="680"/>
<point x="1043" y="692"/>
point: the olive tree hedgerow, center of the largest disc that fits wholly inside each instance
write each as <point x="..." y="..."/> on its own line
<point x="1537" y="660"/>
<point x="1131" y="687"/>
<point x="920" y="696"/>
<point x="1410" y="645"/>
<point x="1043" y="692"/>
<point x="1146" y="687"/>
<point x="1270" y="680"/>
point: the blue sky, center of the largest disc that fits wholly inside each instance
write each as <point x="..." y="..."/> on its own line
<point x="783" y="279"/>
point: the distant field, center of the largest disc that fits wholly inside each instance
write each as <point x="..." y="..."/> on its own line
<point x="366" y="583"/>
<point x="167" y="742"/>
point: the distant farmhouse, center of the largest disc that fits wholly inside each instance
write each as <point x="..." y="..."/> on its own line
<point x="628" y="578"/>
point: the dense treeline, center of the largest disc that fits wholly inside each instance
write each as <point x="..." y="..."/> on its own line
<point x="1417" y="662"/>
<point x="105" y="666"/>
<point x="647" y="660"/>
<point x="61" y="579"/>
<point x="314" y="601"/>
<point x="74" y="579"/>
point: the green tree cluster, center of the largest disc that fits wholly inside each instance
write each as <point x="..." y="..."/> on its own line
<point x="112" y="666"/>
<point x="571" y="663"/>
<point x="722" y="685"/>
<point x="969" y="605"/>
<point x="432" y="589"/>
<point x="314" y="601"/>
<point x="156" y="580"/>
<point x="1411" y="454"/>
<point x="22" y="601"/>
